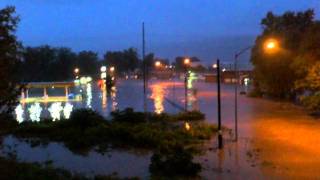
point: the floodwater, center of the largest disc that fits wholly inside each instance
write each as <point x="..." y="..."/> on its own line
<point x="277" y="140"/>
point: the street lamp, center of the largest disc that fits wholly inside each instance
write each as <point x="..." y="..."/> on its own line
<point x="186" y="63"/>
<point x="269" y="46"/>
<point x="76" y="72"/>
<point x="103" y="69"/>
<point x="157" y="63"/>
<point x="112" y="69"/>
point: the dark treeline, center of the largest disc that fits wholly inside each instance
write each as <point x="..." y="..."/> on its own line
<point x="45" y="63"/>
<point x="293" y="70"/>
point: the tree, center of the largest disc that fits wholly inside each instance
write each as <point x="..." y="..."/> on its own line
<point x="276" y="74"/>
<point x="36" y="63"/>
<point x="9" y="60"/>
<point x="123" y="61"/>
<point x="88" y="63"/>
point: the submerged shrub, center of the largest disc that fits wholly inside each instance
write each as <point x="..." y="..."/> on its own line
<point x="128" y="115"/>
<point x="190" y="116"/>
<point x="173" y="161"/>
<point x="85" y="118"/>
<point x="7" y="122"/>
<point x="312" y="103"/>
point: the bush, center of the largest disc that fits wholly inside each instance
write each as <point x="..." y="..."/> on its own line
<point x="128" y="115"/>
<point x="85" y="118"/>
<point x="7" y="123"/>
<point x="312" y="103"/>
<point x="189" y="116"/>
<point x="173" y="161"/>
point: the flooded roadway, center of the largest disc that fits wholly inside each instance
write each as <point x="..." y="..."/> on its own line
<point x="277" y="140"/>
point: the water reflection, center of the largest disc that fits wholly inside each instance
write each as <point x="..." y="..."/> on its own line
<point x="113" y="94"/>
<point x="104" y="96"/>
<point x="89" y="95"/>
<point x="157" y="95"/>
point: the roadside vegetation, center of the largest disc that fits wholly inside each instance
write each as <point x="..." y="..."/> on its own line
<point x="172" y="142"/>
<point x="292" y="70"/>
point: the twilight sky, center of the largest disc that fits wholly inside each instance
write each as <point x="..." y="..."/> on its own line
<point x="204" y="28"/>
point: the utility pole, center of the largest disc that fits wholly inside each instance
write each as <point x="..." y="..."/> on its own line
<point x="220" y="144"/>
<point x="145" y="85"/>
<point x="186" y="90"/>
<point x="236" y="97"/>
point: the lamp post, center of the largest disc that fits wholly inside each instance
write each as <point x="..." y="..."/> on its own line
<point x="269" y="46"/>
<point x="220" y="144"/>
<point x="186" y="63"/>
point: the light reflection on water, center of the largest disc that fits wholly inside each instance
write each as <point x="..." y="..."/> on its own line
<point x="125" y="94"/>
<point x="275" y="139"/>
<point x="157" y="95"/>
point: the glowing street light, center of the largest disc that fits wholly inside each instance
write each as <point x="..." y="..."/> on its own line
<point x="214" y="66"/>
<point x="112" y="69"/>
<point x="186" y="61"/>
<point x="271" y="45"/>
<point x="157" y="63"/>
<point x="76" y="70"/>
<point x="103" y="69"/>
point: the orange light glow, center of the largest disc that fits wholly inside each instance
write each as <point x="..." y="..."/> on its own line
<point x="158" y="97"/>
<point x="186" y="61"/>
<point x="271" y="45"/>
<point x="187" y="126"/>
<point x="157" y="63"/>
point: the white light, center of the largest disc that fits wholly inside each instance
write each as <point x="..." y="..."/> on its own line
<point x="111" y="69"/>
<point x="35" y="112"/>
<point x="88" y="79"/>
<point x="246" y="81"/>
<point x="55" y="111"/>
<point x="19" y="113"/>
<point x="103" y="69"/>
<point x="224" y="69"/>
<point x="67" y="110"/>
<point x="89" y="95"/>
<point x="103" y="75"/>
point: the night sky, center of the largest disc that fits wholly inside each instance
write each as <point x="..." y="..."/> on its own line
<point x="204" y="28"/>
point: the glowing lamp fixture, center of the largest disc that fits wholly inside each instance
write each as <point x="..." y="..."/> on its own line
<point x="186" y="61"/>
<point x="271" y="45"/>
<point x="76" y="70"/>
<point x="157" y="63"/>
<point x="112" y="69"/>
<point x="214" y="66"/>
<point x="103" y="69"/>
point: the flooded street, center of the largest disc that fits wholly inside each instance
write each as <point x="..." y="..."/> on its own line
<point x="276" y="139"/>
